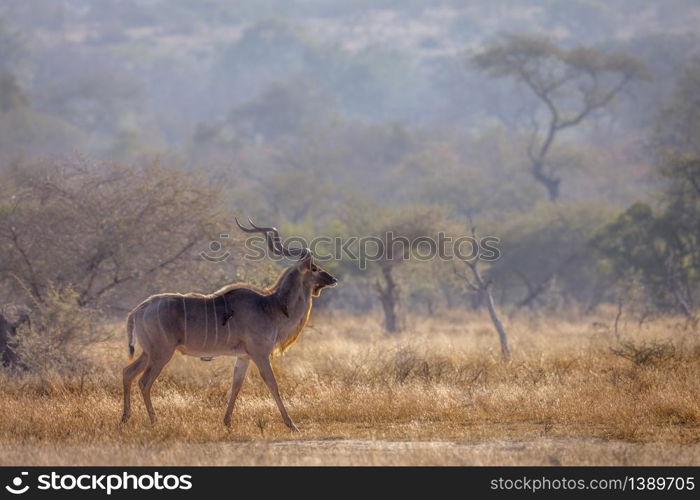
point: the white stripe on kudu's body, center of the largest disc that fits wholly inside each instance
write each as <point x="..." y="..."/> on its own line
<point x="258" y="323"/>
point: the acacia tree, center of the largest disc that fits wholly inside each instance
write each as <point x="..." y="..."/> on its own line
<point x="396" y="234"/>
<point x="78" y="238"/>
<point x="99" y="229"/>
<point x="569" y="84"/>
<point x="410" y="226"/>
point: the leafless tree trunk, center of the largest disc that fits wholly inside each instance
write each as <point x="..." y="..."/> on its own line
<point x="483" y="288"/>
<point x="389" y="297"/>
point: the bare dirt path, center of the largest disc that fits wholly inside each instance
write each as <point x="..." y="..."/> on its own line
<point x="546" y="451"/>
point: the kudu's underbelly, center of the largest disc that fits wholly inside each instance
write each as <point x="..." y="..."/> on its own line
<point x="208" y="352"/>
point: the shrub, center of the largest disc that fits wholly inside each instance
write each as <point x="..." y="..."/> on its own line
<point x="59" y="331"/>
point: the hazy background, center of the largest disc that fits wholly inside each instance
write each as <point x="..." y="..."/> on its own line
<point x="200" y="82"/>
<point x="131" y="131"/>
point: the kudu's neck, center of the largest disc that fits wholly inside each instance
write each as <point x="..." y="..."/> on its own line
<point x="292" y="290"/>
<point x="293" y="298"/>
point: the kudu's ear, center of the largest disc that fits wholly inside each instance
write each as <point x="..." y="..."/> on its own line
<point x="305" y="264"/>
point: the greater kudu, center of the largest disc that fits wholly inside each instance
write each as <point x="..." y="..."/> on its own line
<point x="238" y="320"/>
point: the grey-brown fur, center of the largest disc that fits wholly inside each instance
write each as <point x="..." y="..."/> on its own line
<point x="239" y="321"/>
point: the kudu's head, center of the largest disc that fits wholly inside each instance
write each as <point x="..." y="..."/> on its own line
<point x="313" y="275"/>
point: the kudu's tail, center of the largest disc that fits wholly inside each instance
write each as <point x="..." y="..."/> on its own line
<point x="130" y="334"/>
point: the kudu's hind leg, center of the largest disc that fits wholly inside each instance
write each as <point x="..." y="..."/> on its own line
<point x="129" y="373"/>
<point x="239" y="370"/>
<point x="263" y="364"/>
<point x="153" y="369"/>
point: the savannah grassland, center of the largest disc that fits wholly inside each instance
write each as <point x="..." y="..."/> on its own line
<point x="573" y="394"/>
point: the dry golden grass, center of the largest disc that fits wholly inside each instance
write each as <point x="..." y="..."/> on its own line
<point x="436" y="394"/>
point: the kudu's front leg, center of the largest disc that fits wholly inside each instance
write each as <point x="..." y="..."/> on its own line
<point x="263" y="364"/>
<point x="239" y="370"/>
